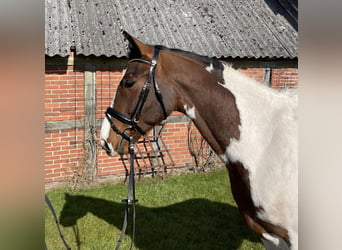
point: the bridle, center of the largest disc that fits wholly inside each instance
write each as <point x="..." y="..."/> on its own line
<point x="133" y="123"/>
<point x="134" y="119"/>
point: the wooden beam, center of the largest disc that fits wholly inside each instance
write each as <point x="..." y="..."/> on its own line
<point x="90" y="120"/>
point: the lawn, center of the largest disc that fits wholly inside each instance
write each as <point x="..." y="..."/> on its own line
<point x="194" y="211"/>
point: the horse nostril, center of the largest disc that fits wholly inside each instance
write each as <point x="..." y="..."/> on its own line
<point x="105" y="146"/>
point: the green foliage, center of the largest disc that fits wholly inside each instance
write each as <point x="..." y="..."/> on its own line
<point x="193" y="211"/>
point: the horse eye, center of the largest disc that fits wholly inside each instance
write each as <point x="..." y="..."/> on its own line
<point x="128" y="83"/>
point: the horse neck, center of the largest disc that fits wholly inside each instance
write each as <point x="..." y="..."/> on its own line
<point x="211" y="106"/>
<point x="212" y="98"/>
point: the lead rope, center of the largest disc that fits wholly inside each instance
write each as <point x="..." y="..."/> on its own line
<point x="48" y="202"/>
<point x="129" y="202"/>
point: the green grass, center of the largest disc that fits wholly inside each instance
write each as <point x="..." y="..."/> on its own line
<point x="194" y="211"/>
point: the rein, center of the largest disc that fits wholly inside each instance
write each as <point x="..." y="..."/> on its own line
<point x="130" y="201"/>
<point x="133" y="123"/>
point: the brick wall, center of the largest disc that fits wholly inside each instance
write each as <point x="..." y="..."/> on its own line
<point x="284" y="78"/>
<point x="279" y="78"/>
<point x="255" y="73"/>
<point x="64" y="115"/>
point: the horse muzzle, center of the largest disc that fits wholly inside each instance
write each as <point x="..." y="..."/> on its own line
<point x="108" y="148"/>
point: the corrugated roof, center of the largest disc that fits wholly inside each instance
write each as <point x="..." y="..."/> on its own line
<point x="58" y="33"/>
<point x="216" y="28"/>
<point x="96" y="28"/>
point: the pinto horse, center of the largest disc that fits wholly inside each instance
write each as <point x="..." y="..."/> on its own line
<point x="250" y="126"/>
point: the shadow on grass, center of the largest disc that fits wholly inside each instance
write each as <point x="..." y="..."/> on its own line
<point x="191" y="224"/>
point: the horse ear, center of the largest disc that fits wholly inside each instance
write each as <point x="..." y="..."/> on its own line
<point x="138" y="49"/>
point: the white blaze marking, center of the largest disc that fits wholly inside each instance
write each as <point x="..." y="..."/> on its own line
<point x="210" y="68"/>
<point x="267" y="148"/>
<point x="190" y="112"/>
<point x="105" y="129"/>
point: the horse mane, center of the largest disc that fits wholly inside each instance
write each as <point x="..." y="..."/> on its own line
<point x="207" y="61"/>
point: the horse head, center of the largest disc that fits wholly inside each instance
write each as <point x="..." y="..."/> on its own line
<point x="140" y="101"/>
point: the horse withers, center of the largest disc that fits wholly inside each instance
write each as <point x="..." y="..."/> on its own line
<point x="251" y="127"/>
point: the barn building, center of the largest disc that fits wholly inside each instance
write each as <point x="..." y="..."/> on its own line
<point x="85" y="53"/>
